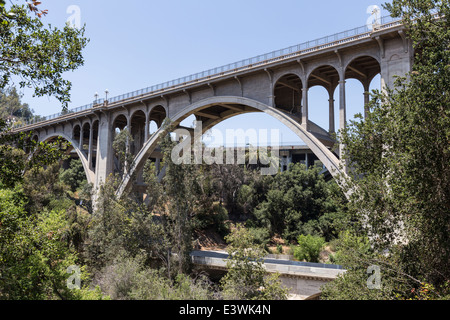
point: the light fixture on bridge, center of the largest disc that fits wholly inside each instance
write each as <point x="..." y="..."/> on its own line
<point x="106" y="93"/>
<point x="96" y="98"/>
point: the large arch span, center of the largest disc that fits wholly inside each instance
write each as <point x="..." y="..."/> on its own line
<point x="234" y="106"/>
<point x="90" y="175"/>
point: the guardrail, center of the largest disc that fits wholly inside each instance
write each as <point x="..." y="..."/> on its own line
<point x="274" y="56"/>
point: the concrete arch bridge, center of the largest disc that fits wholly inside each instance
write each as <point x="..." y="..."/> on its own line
<point x="275" y="83"/>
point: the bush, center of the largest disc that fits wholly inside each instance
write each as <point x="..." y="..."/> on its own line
<point x="74" y="176"/>
<point x="309" y="248"/>
<point x="129" y="278"/>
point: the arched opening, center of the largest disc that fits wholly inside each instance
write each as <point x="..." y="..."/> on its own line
<point x="85" y="133"/>
<point x="158" y="114"/>
<point x="120" y="123"/>
<point x="288" y="94"/>
<point x="120" y="144"/>
<point x="137" y="131"/>
<point x="354" y="99"/>
<point x="363" y="69"/>
<point x="322" y="102"/>
<point x="76" y="134"/>
<point x="31" y="143"/>
<point x="93" y="152"/>
<point x="153" y="127"/>
<point x="318" y="107"/>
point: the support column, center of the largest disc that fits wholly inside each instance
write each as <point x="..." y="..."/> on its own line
<point x="332" y="128"/>
<point x="80" y="143"/>
<point x="342" y="106"/>
<point x="342" y="118"/>
<point x="104" y="165"/>
<point x="305" y="108"/>
<point x="366" y="100"/>
<point x="146" y="127"/>
<point x="90" y="150"/>
<point x="127" y="147"/>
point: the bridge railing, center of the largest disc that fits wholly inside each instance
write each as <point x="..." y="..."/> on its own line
<point x="296" y="50"/>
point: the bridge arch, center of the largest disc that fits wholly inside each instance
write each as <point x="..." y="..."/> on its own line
<point x="90" y="176"/>
<point x="76" y="133"/>
<point x="324" y="76"/>
<point x="158" y="113"/>
<point x="85" y="135"/>
<point x="363" y="67"/>
<point x="330" y="161"/>
<point x="287" y="91"/>
<point x="137" y="130"/>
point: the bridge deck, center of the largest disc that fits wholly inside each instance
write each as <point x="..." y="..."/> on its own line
<point x="287" y="268"/>
<point x="232" y="69"/>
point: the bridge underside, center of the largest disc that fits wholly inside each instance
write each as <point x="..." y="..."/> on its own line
<point x="214" y="110"/>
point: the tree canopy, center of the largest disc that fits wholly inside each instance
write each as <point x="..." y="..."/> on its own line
<point x="400" y="158"/>
<point x="35" y="55"/>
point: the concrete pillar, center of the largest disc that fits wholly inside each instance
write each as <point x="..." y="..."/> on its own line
<point x="147" y="127"/>
<point x="90" y="150"/>
<point x="80" y="143"/>
<point x="104" y="165"/>
<point x="305" y="108"/>
<point x="342" y="118"/>
<point x="127" y="147"/>
<point x="366" y="103"/>
<point x="366" y="98"/>
<point x="332" y="128"/>
<point x="342" y="106"/>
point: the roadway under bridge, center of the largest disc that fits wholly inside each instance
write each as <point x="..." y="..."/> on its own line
<point x="303" y="279"/>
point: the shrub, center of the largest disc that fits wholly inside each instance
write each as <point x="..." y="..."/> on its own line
<point x="309" y="248"/>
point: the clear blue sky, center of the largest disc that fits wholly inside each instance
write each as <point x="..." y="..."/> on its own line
<point x="135" y="44"/>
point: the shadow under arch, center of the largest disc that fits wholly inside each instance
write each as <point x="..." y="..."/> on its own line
<point x="236" y="105"/>
<point x="90" y="175"/>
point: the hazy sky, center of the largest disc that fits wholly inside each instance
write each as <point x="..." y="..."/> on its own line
<point x="135" y="44"/>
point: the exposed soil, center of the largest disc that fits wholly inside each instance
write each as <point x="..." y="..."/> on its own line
<point x="209" y="240"/>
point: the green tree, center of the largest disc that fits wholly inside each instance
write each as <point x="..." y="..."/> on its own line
<point x="400" y="156"/>
<point x="20" y="154"/>
<point x="295" y="200"/>
<point x="246" y="278"/>
<point x="38" y="55"/>
<point x="74" y="176"/>
<point x="12" y="109"/>
<point x="33" y="254"/>
<point x="121" y="144"/>
<point x="308" y="248"/>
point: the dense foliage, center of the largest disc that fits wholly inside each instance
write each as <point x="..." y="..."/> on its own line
<point x="396" y="220"/>
<point x="38" y="55"/>
<point x="400" y="160"/>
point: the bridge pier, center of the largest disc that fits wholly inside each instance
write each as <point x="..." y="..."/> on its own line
<point x="104" y="166"/>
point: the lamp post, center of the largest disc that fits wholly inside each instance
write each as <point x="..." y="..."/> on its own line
<point x="106" y="93"/>
<point x="96" y="98"/>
